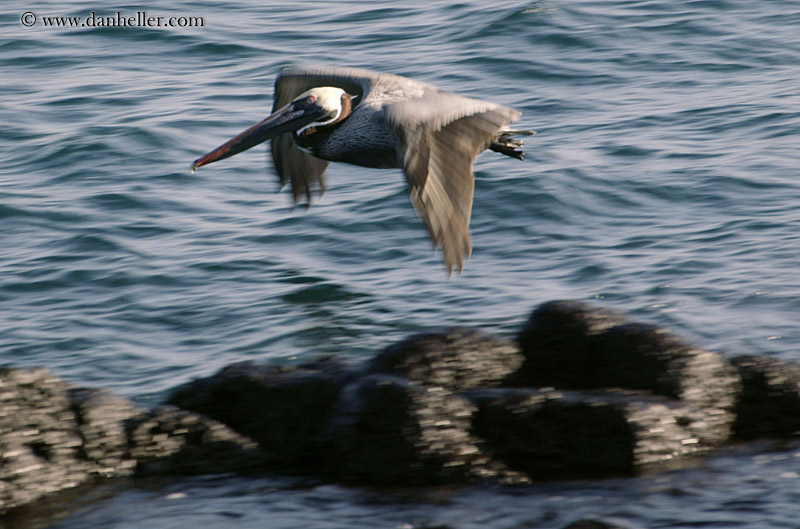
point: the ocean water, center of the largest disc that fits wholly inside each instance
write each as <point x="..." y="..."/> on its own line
<point x="664" y="182"/>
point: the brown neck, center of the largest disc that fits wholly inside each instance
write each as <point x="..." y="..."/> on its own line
<point x="313" y="136"/>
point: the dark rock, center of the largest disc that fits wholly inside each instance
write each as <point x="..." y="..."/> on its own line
<point x="283" y="408"/>
<point x="101" y="417"/>
<point x="40" y="445"/>
<point x="551" y="434"/>
<point x="668" y="400"/>
<point x="388" y="431"/>
<point x="55" y="437"/>
<point x="560" y="342"/>
<point x="455" y="359"/>
<point x="769" y="404"/>
<point x="639" y="356"/>
<point x="594" y="353"/>
<point x="170" y="440"/>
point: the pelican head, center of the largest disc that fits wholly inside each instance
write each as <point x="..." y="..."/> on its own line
<point x="309" y="113"/>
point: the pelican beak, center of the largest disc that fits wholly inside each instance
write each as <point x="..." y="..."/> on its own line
<point x="286" y="119"/>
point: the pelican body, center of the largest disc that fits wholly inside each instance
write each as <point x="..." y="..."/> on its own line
<point x="325" y="114"/>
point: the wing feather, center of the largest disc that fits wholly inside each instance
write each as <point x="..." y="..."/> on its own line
<point x="440" y="136"/>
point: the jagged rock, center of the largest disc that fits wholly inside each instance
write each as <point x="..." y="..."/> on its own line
<point x="54" y="437"/>
<point x="283" y="408"/>
<point x="769" y="404"/>
<point x="551" y="434"/>
<point x="40" y="446"/>
<point x="595" y="353"/>
<point x="371" y="426"/>
<point x="560" y="342"/>
<point x="455" y="359"/>
<point x="177" y="441"/>
<point x="101" y="417"/>
<point x="640" y="356"/>
<point x="388" y="431"/>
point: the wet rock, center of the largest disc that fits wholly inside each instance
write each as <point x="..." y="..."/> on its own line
<point x="101" y="418"/>
<point x="399" y="421"/>
<point x="769" y="404"/>
<point x="170" y="440"/>
<point x="40" y="445"/>
<point x="54" y="437"/>
<point x="594" y="351"/>
<point x="640" y="356"/>
<point x="556" y="434"/>
<point x="386" y="430"/>
<point x="282" y="408"/>
<point x="560" y="342"/>
<point x="455" y="359"/>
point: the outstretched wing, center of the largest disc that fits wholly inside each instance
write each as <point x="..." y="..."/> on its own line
<point x="303" y="170"/>
<point x="440" y="136"/>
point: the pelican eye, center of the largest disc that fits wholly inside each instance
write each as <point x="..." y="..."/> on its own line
<point x="311" y="100"/>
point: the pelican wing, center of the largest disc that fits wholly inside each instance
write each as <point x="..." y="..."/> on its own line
<point x="440" y="135"/>
<point x="303" y="170"/>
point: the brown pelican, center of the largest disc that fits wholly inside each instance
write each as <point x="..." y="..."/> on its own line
<point x="327" y="114"/>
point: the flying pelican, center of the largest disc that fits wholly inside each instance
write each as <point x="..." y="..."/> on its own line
<point x="327" y="114"/>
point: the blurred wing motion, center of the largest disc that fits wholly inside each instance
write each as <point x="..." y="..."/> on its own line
<point x="440" y="136"/>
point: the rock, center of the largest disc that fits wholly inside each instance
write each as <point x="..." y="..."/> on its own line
<point x="101" y="418"/>
<point x="282" y="408"/>
<point x="550" y="434"/>
<point x="40" y="445"/>
<point x="435" y="408"/>
<point x="560" y="343"/>
<point x="594" y="352"/>
<point x="769" y="404"/>
<point x="640" y="356"/>
<point x="170" y="440"/>
<point x="54" y="437"/>
<point x="455" y="359"/>
<point x="388" y="431"/>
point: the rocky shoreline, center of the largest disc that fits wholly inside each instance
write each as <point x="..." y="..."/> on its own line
<point x="581" y="392"/>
